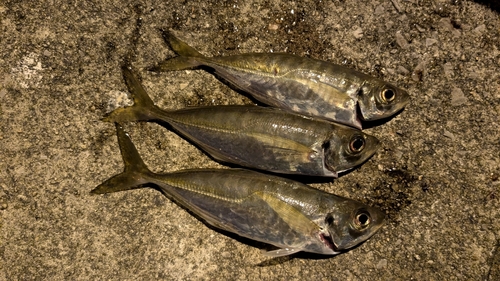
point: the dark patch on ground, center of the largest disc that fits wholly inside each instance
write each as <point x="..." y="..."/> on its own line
<point x="492" y="4"/>
<point x="302" y="38"/>
<point x="394" y="192"/>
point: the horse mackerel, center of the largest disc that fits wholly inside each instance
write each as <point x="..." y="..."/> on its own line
<point x="262" y="138"/>
<point x="287" y="214"/>
<point x="300" y="84"/>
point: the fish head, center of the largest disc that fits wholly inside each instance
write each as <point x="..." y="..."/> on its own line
<point x="350" y="223"/>
<point x="378" y="99"/>
<point x="347" y="148"/>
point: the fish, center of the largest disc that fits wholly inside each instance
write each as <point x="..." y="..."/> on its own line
<point x="257" y="137"/>
<point x="300" y="84"/>
<point x="281" y="212"/>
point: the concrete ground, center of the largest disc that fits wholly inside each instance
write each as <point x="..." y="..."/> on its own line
<point x="436" y="176"/>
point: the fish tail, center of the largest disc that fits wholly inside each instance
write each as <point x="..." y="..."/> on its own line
<point x="135" y="175"/>
<point x="178" y="46"/>
<point x="143" y="109"/>
<point x="188" y="57"/>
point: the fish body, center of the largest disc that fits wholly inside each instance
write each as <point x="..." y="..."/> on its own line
<point x="305" y="85"/>
<point x="262" y="138"/>
<point x="287" y="214"/>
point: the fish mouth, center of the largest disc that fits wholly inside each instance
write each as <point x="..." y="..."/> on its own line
<point x="358" y="117"/>
<point x="394" y="110"/>
<point x="327" y="240"/>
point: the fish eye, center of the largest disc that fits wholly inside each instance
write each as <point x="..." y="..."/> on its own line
<point x="362" y="219"/>
<point x="388" y="95"/>
<point x="357" y="144"/>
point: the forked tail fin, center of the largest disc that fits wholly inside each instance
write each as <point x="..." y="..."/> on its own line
<point x="135" y="174"/>
<point x="178" y="46"/>
<point x="188" y="57"/>
<point x="143" y="109"/>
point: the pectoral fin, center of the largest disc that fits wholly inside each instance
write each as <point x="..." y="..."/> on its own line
<point x="289" y="214"/>
<point x="286" y="149"/>
<point x="294" y="218"/>
<point x="282" y="252"/>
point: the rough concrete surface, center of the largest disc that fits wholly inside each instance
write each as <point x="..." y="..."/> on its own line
<point x="436" y="176"/>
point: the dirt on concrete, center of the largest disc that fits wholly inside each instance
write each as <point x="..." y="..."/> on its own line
<point x="437" y="175"/>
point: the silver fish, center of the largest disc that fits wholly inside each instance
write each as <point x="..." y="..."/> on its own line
<point x="262" y="138"/>
<point x="287" y="214"/>
<point x="308" y="86"/>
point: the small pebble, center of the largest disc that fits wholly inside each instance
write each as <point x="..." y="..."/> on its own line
<point x="480" y="28"/>
<point x="358" y="33"/>
<point x="389" y="24"/>
<point x="401" y="40"/>
<point x="430" y="42"/>
<point x="381" y="264"/>
<point x="402" y="70"/>
<point x="457" y="97"/>
<point x="397" y="6"/>
<point x="379" y="10"/>
<point x="449" y="135"/>
<point x="445" y="23"/>
<point x="419" y="28"/>
<point x="273" y="26"/>
<point x="448" y="69"/>
<point x="418" y="72"/>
